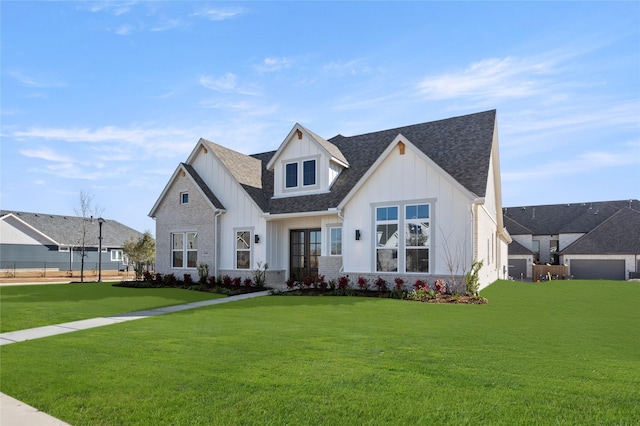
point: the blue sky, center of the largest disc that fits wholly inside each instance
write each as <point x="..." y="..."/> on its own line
<point x="108" y="97"/>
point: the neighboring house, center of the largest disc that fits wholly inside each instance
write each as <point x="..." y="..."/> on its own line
<point x="417" y="202"/>
<point x="596" y="240"/>
<point x="39" y="240"/>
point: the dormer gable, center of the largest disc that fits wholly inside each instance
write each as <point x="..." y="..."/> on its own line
<point x="305" y="163"/>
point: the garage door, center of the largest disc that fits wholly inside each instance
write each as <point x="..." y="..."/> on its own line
<point x="597" y="269"/>
<point x="518" y="268"/>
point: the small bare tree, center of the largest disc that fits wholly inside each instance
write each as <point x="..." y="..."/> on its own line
<point x="86" y="210"/>
<point x="454" y="255"/>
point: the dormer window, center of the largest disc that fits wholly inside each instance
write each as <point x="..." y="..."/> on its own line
<point x="291" y="175"/>
<point x="307" y="179"/>
<point x="309" y="173"/>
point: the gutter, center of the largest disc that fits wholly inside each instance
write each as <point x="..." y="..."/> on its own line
<point x="215" y="243"/>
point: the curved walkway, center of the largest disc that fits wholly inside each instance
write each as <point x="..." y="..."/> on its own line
<point x="17" y="413"/>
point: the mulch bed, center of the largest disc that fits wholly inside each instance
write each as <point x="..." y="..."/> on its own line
<point x="440" y="298"/>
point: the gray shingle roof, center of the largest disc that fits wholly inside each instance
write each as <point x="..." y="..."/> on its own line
<point x="67" y="230"/>
<point x="203" y="186"/>
<point x="618" y="234"/>
<point x="460" y="145"/>
<point x="333" y="150"/>
<point x="562" y="218"/>
<point x="517" y="248"/>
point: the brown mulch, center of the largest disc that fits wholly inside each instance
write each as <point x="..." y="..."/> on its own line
<point x="440" y="298"/>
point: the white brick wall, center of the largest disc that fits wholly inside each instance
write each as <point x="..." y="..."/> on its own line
<point x="172" y="216"/>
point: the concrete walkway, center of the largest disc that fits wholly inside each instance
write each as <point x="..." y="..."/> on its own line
<point x="17" y="413"/>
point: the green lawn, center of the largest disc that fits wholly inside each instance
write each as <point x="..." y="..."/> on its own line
<point x="29" y="306"/>
<point x="564" y="352"/>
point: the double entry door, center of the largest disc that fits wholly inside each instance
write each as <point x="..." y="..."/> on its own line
<point x="304" y="249"/>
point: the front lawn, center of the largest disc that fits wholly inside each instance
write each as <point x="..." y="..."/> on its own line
<point x="31" y="306"/>
<point x="561" y="352"/>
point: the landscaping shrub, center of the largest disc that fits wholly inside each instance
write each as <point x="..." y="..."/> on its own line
<point x="248" y="282"/>
<point x="343" y="282"/>
<point x="170" y="280"/>
<point x="226" y="281"/>
<point x="291" y="283"/>
<point x="188" y="281"/>
<point x="399" y="283"/>
<point x="472" y="281"/>
<point x="236" y="281"/>
<point x="159" y="279"/>
<point x="420" y="284"/>
<point x="440" y="286"/>
<point x="381" y="284"/>
<point x="147" y="276"/>
<point x="363" y="283"/>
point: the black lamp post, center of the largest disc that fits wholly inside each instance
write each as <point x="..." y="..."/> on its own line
<point x="100" y="222"/>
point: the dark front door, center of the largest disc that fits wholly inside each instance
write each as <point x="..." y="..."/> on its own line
<point x="304" y="249"/>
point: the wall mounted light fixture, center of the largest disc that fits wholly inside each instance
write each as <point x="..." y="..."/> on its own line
<point x="256" y="238"/>
<point x="357" y="235"/>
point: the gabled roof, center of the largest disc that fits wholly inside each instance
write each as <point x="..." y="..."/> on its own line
<point x="332" y="151"/>
<point x="244" y="168"/>
<point x="517" y="248"/>
<point x="461" y="146"/>
<point x="208" y="194"/>
<point x="562" y="218"/>
<point x="618" y="234"/>
<point x="514" y="227"/>
<point x="198" y="182"/>
<point x="67" y="230"/>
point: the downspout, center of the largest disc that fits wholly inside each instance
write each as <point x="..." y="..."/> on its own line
<point x="341" y="270"/>
<point x="215" y="243"/>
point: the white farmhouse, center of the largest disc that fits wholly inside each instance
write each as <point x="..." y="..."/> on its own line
<point x="416" y="202"/>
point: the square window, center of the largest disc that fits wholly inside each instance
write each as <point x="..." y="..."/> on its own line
<point x="309" y="173"/>
<point x="291" y="175"/>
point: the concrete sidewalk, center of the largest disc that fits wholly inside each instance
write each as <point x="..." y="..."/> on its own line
<point x="17" y="413"/>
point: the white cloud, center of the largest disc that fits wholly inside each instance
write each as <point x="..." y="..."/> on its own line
<point x="45" y="153"/>
<point x="167" y="25"/>
<point x="588" y="162"/>
<point x="31" y="81"/>
<point x="116" y="8"/>
<point x="225" y="83"/>
<point x="353" y="67"/>
<point x="274" y="64"/>
<point x="219" y="14"/>
<point x="124" y="29"/>
<point x="495" y="78"/>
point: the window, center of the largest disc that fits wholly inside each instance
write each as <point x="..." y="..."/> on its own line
<point x="116" y="255"/>
<point x="291" y="178"/>
<point x="407" y="254"/>
<point x="243" y="249"/>
<point x="184" y="198"/>
<point x="309" y="173"/>
<point x="63" y="249"/>
<point x="184" y="247"/>
<point x="387" y="239"/>
<point x="335" y="242"/>
<point x="535" y="248"/>
<point x="417" y="233"/>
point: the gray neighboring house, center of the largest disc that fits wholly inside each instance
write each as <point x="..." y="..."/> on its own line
<point x="596" y="240"/>
<point x="39" y="240"/>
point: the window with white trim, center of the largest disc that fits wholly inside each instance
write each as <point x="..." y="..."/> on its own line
<point x="184" y="250"/>
<point x="291" y="175"/>
<point x="309" y="173"/>
<point x="417" y="238"/>
<point x="387" y="239"/>
<point x="335" y="241"/>
<point x="410" y="253"/>
<point x="116" y="255"/>
<point x="243" y="249"/>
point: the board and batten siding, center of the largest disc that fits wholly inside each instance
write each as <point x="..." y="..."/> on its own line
<point x="407" y="178"/>
<point x="301" y="150"/>
<point x="241" y="210"/>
